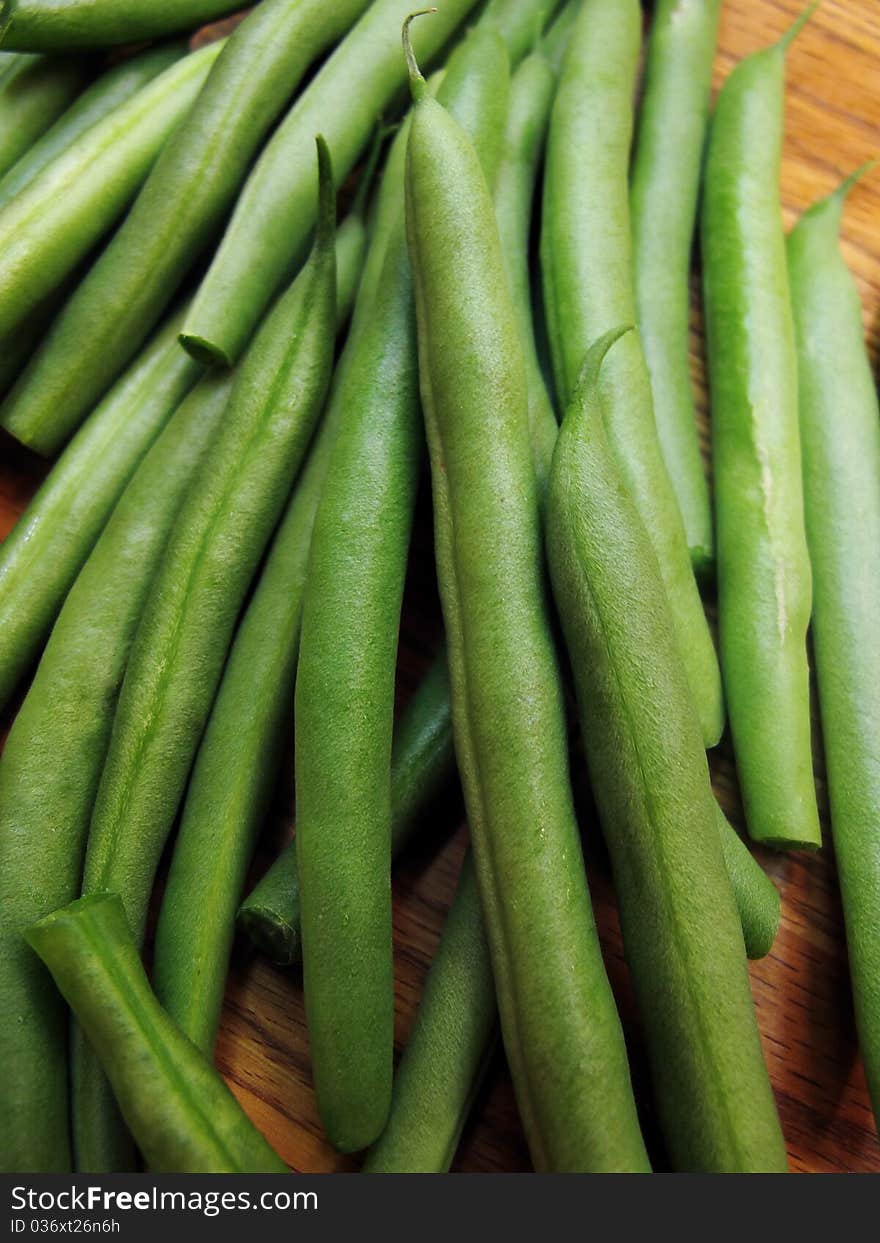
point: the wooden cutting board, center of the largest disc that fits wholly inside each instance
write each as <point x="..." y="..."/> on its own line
<point x="801" y="990"/>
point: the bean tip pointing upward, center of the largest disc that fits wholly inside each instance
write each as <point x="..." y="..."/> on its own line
<point x="795" y="29"/>
<point x="593" y="360"/>
<point x="848" y="182"/>
<point x="417" y="83"/>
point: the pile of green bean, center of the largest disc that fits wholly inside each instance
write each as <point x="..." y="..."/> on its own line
<point x="212" y="576"/>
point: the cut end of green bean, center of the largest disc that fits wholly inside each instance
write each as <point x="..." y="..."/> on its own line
<point x="204" y="352"/>
<point x="792" y="33"/>
<point x="417" y="83"/>
<point x="273" y="936"/>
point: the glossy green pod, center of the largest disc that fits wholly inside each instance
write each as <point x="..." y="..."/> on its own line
<point x="764" y="579"/>
<point x="449" y="1047"/>
<point x="177" y="657"/>
<point x="560" y="1025"/>
<point x="422" y="765"/>
<point x="41" y="557"/>
<point x="533" y="88"/>
<point x="664" y="189"/>
<point x="586" y="263"/>
<point x="348" y="655"/>
<point x="682" y="935"/>
<point x="237" y="764"/>
<point x="181" y="1113"/>
<point x="109" y="92"/>
<point x="55" y="221"/>
<point x="275" y="210"/>
<point x="58" y="25"/>
<point x="52" y="762"/>
<point x="840" y="434"/>
<point x="182" y="205"/>
<point x="34" y="91"/>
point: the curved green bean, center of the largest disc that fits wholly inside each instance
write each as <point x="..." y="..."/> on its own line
<point x="179" y="209"/>
<point x="57" y="219"/>
<point x="642" y="738"/>
<point x="561" y="1029"/>
<point x="237" y="764"/>
<point x="51" y="765"/>
<point x="451" y="1043"/>
<point x="178" y="654"/>
<point x="34" y="92"/>
<point x="58" y="25"/>
<point x="757" y="898"/>
<point x="764" y="580"/>
<point x="586" y="259"/>
<point x="183" y="1116"/>
<point x="348" y="655"/>
<point x="42" y="556"/>
<point x="113" y="89"/>
<point x="276" y="208"/>
<point x="840" y="433"/>
<point x="422" y="764"/>
<point x="663" y="197"/>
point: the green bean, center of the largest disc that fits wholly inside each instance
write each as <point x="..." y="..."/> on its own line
<point x="561" y="1029"/>
<point x="531" y="99"/>
<point x="113" y="89"/>
<point x="449" y="1048"/>
<point x="348" y="654"/>
<point x="642" y="738"/>
<point x="179" y="209"/>
<point x="34" y="92"/>
<point x="840" y="432"/>
<point x="757" y="898"/>
<point x="51" y="764"/>
<point x="422" y="764"/>
<point x="185" y="1119"/>
<point x="663" y="197"/>
<point x="57" y="25"/>
<point x="237" y="764"/>
<point x="519" y="22"/>
<point x="178" y="654"/>
<point x="57" y="219"/>
<point x="764" y="579"/>
<point x="276" y="208"/>
<point x="41" y="558"/>
<point x="586" y="256"/>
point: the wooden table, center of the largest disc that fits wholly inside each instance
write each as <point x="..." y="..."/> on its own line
<point x="801" y="990"/>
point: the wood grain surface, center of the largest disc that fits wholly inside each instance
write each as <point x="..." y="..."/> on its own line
<point x="801" y="990"/>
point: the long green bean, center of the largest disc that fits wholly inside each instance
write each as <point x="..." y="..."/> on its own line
<point x="51" y="765"/>
<point x="276" y="208"/>
<point x="450" y="1045"/>
<point x="764" y="578"/>
<point x="586" y="261"/>
<point x="178" y="654"/>
<point x="239" y="756"/>
<point x="185" y="1119"/>
<point x="664" y="191"/>
<point x="561" y="1029"/>
<point x="840" y="433"/>
<point x="422" y="764"/>
<point x="58" y="25"/>
<point x="34" y="92"/>
<point x="179" y="209"/>
<point x="41" y="558"/>
<point x="111" y="90"/>
<point x="642" y="738"/>
<point x="56" y="220"/>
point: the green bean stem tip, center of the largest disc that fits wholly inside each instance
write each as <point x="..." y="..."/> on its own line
<point x="795" y="29"/>
<point x="417" y="83"/>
